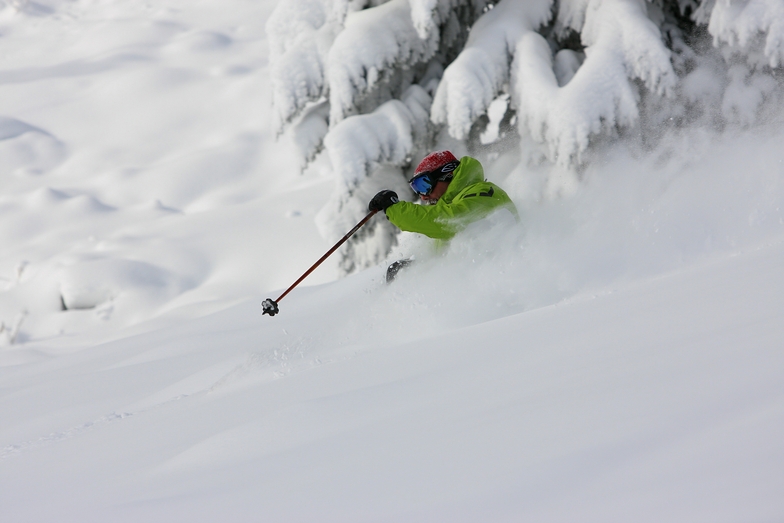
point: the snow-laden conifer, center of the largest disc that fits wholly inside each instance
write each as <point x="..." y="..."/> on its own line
<point x="355" y="78"/>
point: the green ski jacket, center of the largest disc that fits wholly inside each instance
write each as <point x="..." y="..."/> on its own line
<point x="467" y="199"/>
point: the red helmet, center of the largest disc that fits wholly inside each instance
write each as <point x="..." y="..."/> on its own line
<point x="437" y="160"/>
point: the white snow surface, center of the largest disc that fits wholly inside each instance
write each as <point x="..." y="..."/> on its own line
<point x="615" y="356"/>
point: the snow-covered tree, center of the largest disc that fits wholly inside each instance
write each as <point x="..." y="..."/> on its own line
<point x="375" y="84"/>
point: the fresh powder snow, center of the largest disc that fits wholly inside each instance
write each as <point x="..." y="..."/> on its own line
<point x="614" y="356"/>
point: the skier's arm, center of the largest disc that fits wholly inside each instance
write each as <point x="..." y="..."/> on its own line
<point x="440" y="221"/>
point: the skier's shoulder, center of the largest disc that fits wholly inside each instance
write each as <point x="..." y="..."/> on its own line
<point x="486" y="195"/>
<point x="482" y="189"/>
<point x="470" y="170"/>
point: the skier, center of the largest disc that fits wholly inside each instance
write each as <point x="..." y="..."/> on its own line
<point x="455" y="193"/>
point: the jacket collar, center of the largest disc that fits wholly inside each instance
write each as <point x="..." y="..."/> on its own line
<point x="467" y="173"/>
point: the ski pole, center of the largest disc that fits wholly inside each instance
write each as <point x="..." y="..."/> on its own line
<point x="270" y="306"/>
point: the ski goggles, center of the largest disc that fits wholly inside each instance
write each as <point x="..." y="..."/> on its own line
<point x="424" y="183"/>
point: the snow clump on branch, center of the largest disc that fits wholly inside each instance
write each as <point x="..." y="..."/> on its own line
<point x="622" y="45"/>
<point x="478" y="75"/>
<point x="374" y="44"/>
<point x="747" y="27"/>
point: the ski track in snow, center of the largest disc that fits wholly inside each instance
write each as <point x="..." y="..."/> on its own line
<point x="290" y="357"/>
<point x="61" y="435"/>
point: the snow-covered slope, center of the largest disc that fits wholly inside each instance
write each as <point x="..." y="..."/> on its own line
<point x="616" y="356"/>
<point x="140" y="172"/>
<point x="660" y="400"/>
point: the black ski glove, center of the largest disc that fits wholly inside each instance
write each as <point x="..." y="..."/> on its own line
<point x="382" y="200"/>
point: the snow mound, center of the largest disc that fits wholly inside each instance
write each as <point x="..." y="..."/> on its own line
<point x="88" y="283"/>
<point x="28" y="150"/>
